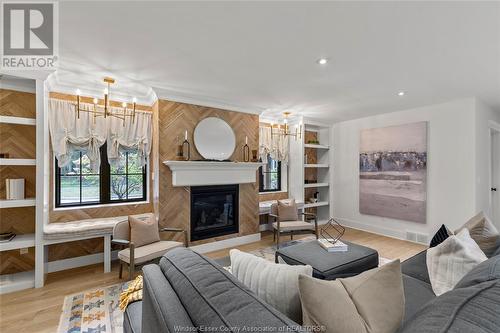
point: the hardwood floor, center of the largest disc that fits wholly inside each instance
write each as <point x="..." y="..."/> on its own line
<point x="38" y="310"/>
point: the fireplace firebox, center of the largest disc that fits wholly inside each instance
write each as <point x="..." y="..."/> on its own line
<point x="214" y="211"/>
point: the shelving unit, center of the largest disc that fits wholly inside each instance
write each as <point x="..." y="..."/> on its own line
<point x="23" y="279"/>
<point x="17" y="203"/>
<point x="310" y="165"/>
<point x="17" y="120"/>
<point x="19" y="242"/>
<point x="17" y="161"/>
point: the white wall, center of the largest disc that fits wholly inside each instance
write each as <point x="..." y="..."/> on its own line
<point x="484" y="114"/>
<point x="450" y="171"/>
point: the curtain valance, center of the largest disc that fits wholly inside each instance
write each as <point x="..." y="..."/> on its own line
<point x="87" y="134"/>
<point x="274" y="145"/>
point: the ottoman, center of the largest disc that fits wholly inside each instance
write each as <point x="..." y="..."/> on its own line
<point x="330" y="265"/>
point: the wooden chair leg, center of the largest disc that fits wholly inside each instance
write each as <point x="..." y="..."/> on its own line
<point x="291" y="236"/>
<point x="131" y="271"/>
<point x="274" y="235"/>
<point x="121" y="270"/>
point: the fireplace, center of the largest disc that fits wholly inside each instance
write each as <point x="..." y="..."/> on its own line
<point x="214" y="211"/>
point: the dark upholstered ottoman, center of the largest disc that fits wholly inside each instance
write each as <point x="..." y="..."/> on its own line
<point x="327" y="265"/>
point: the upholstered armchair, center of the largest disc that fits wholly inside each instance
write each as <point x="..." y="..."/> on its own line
<point x="134" y="255"/>
<point x="288" y="222"/>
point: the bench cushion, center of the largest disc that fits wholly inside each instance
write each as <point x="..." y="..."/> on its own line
<point x="294" y="226"/>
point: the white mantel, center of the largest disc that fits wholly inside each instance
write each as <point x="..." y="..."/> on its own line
<point x="203" y="173"/>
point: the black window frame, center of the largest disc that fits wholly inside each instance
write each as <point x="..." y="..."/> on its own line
<point x="104" y="184"/>
<point x="261" y="179"/>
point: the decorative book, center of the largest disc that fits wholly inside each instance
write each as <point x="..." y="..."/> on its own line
<point x="6" y="237"/>
<point x="331" y="246"/>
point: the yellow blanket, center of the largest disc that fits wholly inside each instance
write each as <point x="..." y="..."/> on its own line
<point x="132" y="293"/>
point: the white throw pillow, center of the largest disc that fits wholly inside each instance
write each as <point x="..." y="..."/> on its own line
<point x="449" y="261"/>
<point x="276" y="284"/>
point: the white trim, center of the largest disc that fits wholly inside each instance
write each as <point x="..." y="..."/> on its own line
<point x="17" y="161"/>
<point x="273" y="192"/>
<point x="401" y="235"/>
<point x="18" y="242"/>
<point x="223" y="244"/>
<point x="131" y="203"/>
<point x="29" y="202"/>
<point x="90" y="259"/>
<point x="213" y="102"/>
<point x="17" y="281"/>
<point x="23" y="85"/>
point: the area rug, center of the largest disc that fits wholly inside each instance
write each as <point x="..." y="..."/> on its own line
<point x="93" y="311"/>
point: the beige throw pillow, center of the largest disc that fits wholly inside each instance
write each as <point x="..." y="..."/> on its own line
<point x="371" y="302"/>
<point x="482" y="230"/>
<point x="276" y="284"/>
<point x="287" y="210"/>
<point x="449" y="261"/>
<point x="143" y="231"/>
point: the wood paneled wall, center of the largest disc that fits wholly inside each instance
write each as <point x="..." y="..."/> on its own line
<point x="19" y="142"/>
<point x="174" y="119"/>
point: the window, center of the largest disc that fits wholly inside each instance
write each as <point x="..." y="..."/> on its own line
<point x="270" y="176"/>
<point x="77" y="185"/>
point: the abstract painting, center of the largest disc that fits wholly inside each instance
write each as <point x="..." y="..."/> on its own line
<point x="393" y="172"/>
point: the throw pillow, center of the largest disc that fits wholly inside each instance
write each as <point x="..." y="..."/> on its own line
<point x="448" y="262"/>
<point x="440" y="236"/>
<point x="276" y="284"/>
<point x="287" y="211"/>
<point x="143" y="231"/>
<point x="482" y="230"/>
<point x="371" y="302"/>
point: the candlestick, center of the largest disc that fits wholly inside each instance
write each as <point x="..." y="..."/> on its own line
<point x="246" y="140"/>
<point x="186" y="135"/>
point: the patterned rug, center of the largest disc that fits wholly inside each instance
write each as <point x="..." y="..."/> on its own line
<point x="93" y="311"/>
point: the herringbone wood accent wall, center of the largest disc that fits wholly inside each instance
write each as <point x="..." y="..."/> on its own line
<point x="174" y="119"/>
<point x="19" y="142"/>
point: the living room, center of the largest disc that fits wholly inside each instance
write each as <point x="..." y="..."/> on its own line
<point x="193" y="166"/>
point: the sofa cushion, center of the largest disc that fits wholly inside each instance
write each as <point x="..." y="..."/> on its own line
<point x="483" y="231"/>
<point x="440" y="236"/>
<point x="416" y="267"/>
<point x="214" y="298"/>
<point x="448" y="262"/>
<point x="277" y="284"/>
<point x="485" y="271"/>
<point x="473" y="309"/>
<point x="371" y="302"/>
<point x="417" y="294"/>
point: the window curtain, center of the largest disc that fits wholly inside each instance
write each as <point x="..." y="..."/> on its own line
<point x="87" y="134"/>
<point x="275" y="146"/>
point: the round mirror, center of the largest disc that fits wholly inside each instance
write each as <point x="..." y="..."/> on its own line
<point x="214" y="139"/>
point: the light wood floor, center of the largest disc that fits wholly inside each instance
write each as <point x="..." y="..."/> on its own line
<point x="38" y="310"/>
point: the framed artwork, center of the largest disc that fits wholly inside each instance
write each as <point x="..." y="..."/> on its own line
<point x="393" y="172"/>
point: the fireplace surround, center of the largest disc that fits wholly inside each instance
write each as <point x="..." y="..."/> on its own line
<point x="214" y="211"/>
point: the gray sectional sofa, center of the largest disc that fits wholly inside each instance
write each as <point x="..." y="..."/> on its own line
<point x="187" y="292"/>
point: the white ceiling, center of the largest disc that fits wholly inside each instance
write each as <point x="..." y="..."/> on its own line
<point x="261" y="56"/>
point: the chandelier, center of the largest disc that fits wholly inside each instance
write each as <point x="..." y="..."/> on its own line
<point x="104" y="110"/>
<point x="284" y="130"/>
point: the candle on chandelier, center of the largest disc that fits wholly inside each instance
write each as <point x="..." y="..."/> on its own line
<point x="186" y="135"/>
<point x="246" y="139"/>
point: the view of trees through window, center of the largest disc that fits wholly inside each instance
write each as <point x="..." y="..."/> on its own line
<point x="270" y="176"/>
<point x="77" y="184"/>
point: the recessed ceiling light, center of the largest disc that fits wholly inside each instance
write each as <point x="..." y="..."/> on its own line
<point x="322" y="61"/>
<point x="401" y="93"/>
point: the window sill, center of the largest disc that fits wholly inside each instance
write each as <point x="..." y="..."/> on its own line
<point x="133" y="203"/>
<point x="272" y="192"/>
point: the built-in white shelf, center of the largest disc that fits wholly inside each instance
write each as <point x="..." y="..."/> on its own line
<point x="17" y="161"/>
<point x="315" y="185"/>
<point x="313" y="145"/>
<point x="17" y="120"/>
<point x="316" y="204"/>
<point x="316" y="165"/>
<point x="18" y="242"/>
<point x="17" y="203"/>
<point x="17" y="281"/>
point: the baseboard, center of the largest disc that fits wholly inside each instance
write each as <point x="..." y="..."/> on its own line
<point x="91" y="259"/>
<point x="224" y="244"/>
<point x="401" y="235"/>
